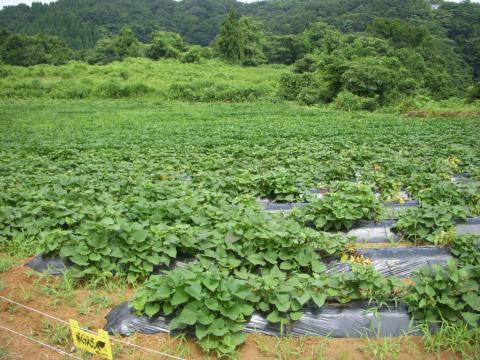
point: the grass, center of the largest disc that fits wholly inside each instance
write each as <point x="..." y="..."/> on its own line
<point x="94" y="300"/>
<point x="20" y="245"/>
<point x="59" y="288"/>
<point x="287" y="347"/>
<point x="458" y="339"/>
<point x="6" y="262"/>
<point x="55" y="334"/>
<point x="384" y="349"/>
<point x="177" y="346"/>
<point x="4" y="353"/>
<point x="139" y="78"/>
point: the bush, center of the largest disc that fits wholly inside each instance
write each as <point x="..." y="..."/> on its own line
<point x="209" y="91"/>
<point x="305" y="64"/>
<point x="193" y="55"/>
<point x="345" y="100"/>
<point x="78" y="91"/>
<point x="292" y="84"/>
<point x="138" y="89"/>
<point x="111" y="89"/>
<point x="473" y="93"/>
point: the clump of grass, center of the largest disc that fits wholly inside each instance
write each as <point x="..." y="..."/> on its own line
<point x="94" y="300"/>
<point x="6" y="263"/>
<point x="4" y="353"/>
<point x="461" y="339"/>
<point x="382" y="349"/>
<point x="55" y="334"/>
<point x="287" y="347"/>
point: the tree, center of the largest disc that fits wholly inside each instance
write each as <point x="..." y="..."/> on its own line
<point x="398" y="32"/>
<point x="240" y="41"/>
<point x="229" y="41"/>
<point x="116" y="48"/>
<point x="24" y="50"/>
<point x="285" y="49"/>
<point x="165" y="45"/>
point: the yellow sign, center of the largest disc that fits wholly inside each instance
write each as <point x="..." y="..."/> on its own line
<point x="92" y="343"/>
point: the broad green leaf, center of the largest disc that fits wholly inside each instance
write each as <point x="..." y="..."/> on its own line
<point x="195" y="291"/>
<point x="152" y="309"/>
<point x="319" y="298"/>
<point x="179" y="297"/>
<point x="187" y="316"/>
<point x="473" y="300"/>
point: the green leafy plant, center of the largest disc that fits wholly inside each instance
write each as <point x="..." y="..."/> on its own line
<point x="448" y="293"/>
<point x="426" y="223"/>
<point x="363" y="282"/>
<point x="340" y="209"/>
<point x="466" y="249"/>
<point x="210" y="301"/>
<point x="280" y="185"/>
<point x="282" y="296"/>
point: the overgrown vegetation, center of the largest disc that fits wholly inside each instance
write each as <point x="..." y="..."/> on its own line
<point x="383" y="59"/>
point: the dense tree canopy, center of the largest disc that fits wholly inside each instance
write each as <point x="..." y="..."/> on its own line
<point x="376" y="50"/>
<point x="24" y="50"/>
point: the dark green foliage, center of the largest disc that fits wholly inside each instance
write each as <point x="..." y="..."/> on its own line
<point x="210" y="91"/>
<point x="400" y="33"/>
<point x="367" y="72"/>
<point x="81" y="24"/>
<point x="473" y="93"/>
<point x="240" y="41"/>
<point x="295" y="86"/>
<point x="165" y="45"/>
<point x="285" y="49"/>
<point x="348" y="101"/>
<point x="229" y="42"/>
<point x="24" y="50"/>
<point x="461" y="21"/>
<point x="116" y="48"/>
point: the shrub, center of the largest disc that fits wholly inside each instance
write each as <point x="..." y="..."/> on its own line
<point x="138" y="89"/>
<point x="113" y="89"/>
<point x="209" y="91"/>
<point x="291" y="85"/>
<point x="78" y="91"/>
<point x="193" y="55"/>
<point x="305" y="64"/>
<point x="345" y="100"/>
<point x="473" y="92"/>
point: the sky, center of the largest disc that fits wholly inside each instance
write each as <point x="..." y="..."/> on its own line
<point x="16" y="2"/>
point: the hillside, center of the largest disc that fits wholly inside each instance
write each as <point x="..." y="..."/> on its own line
<point x="82" y="22"/>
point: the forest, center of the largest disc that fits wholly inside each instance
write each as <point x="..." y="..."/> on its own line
<point x="361" y="54"/>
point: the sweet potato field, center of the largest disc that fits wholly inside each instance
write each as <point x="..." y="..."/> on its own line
<point x="229" y="219"/>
